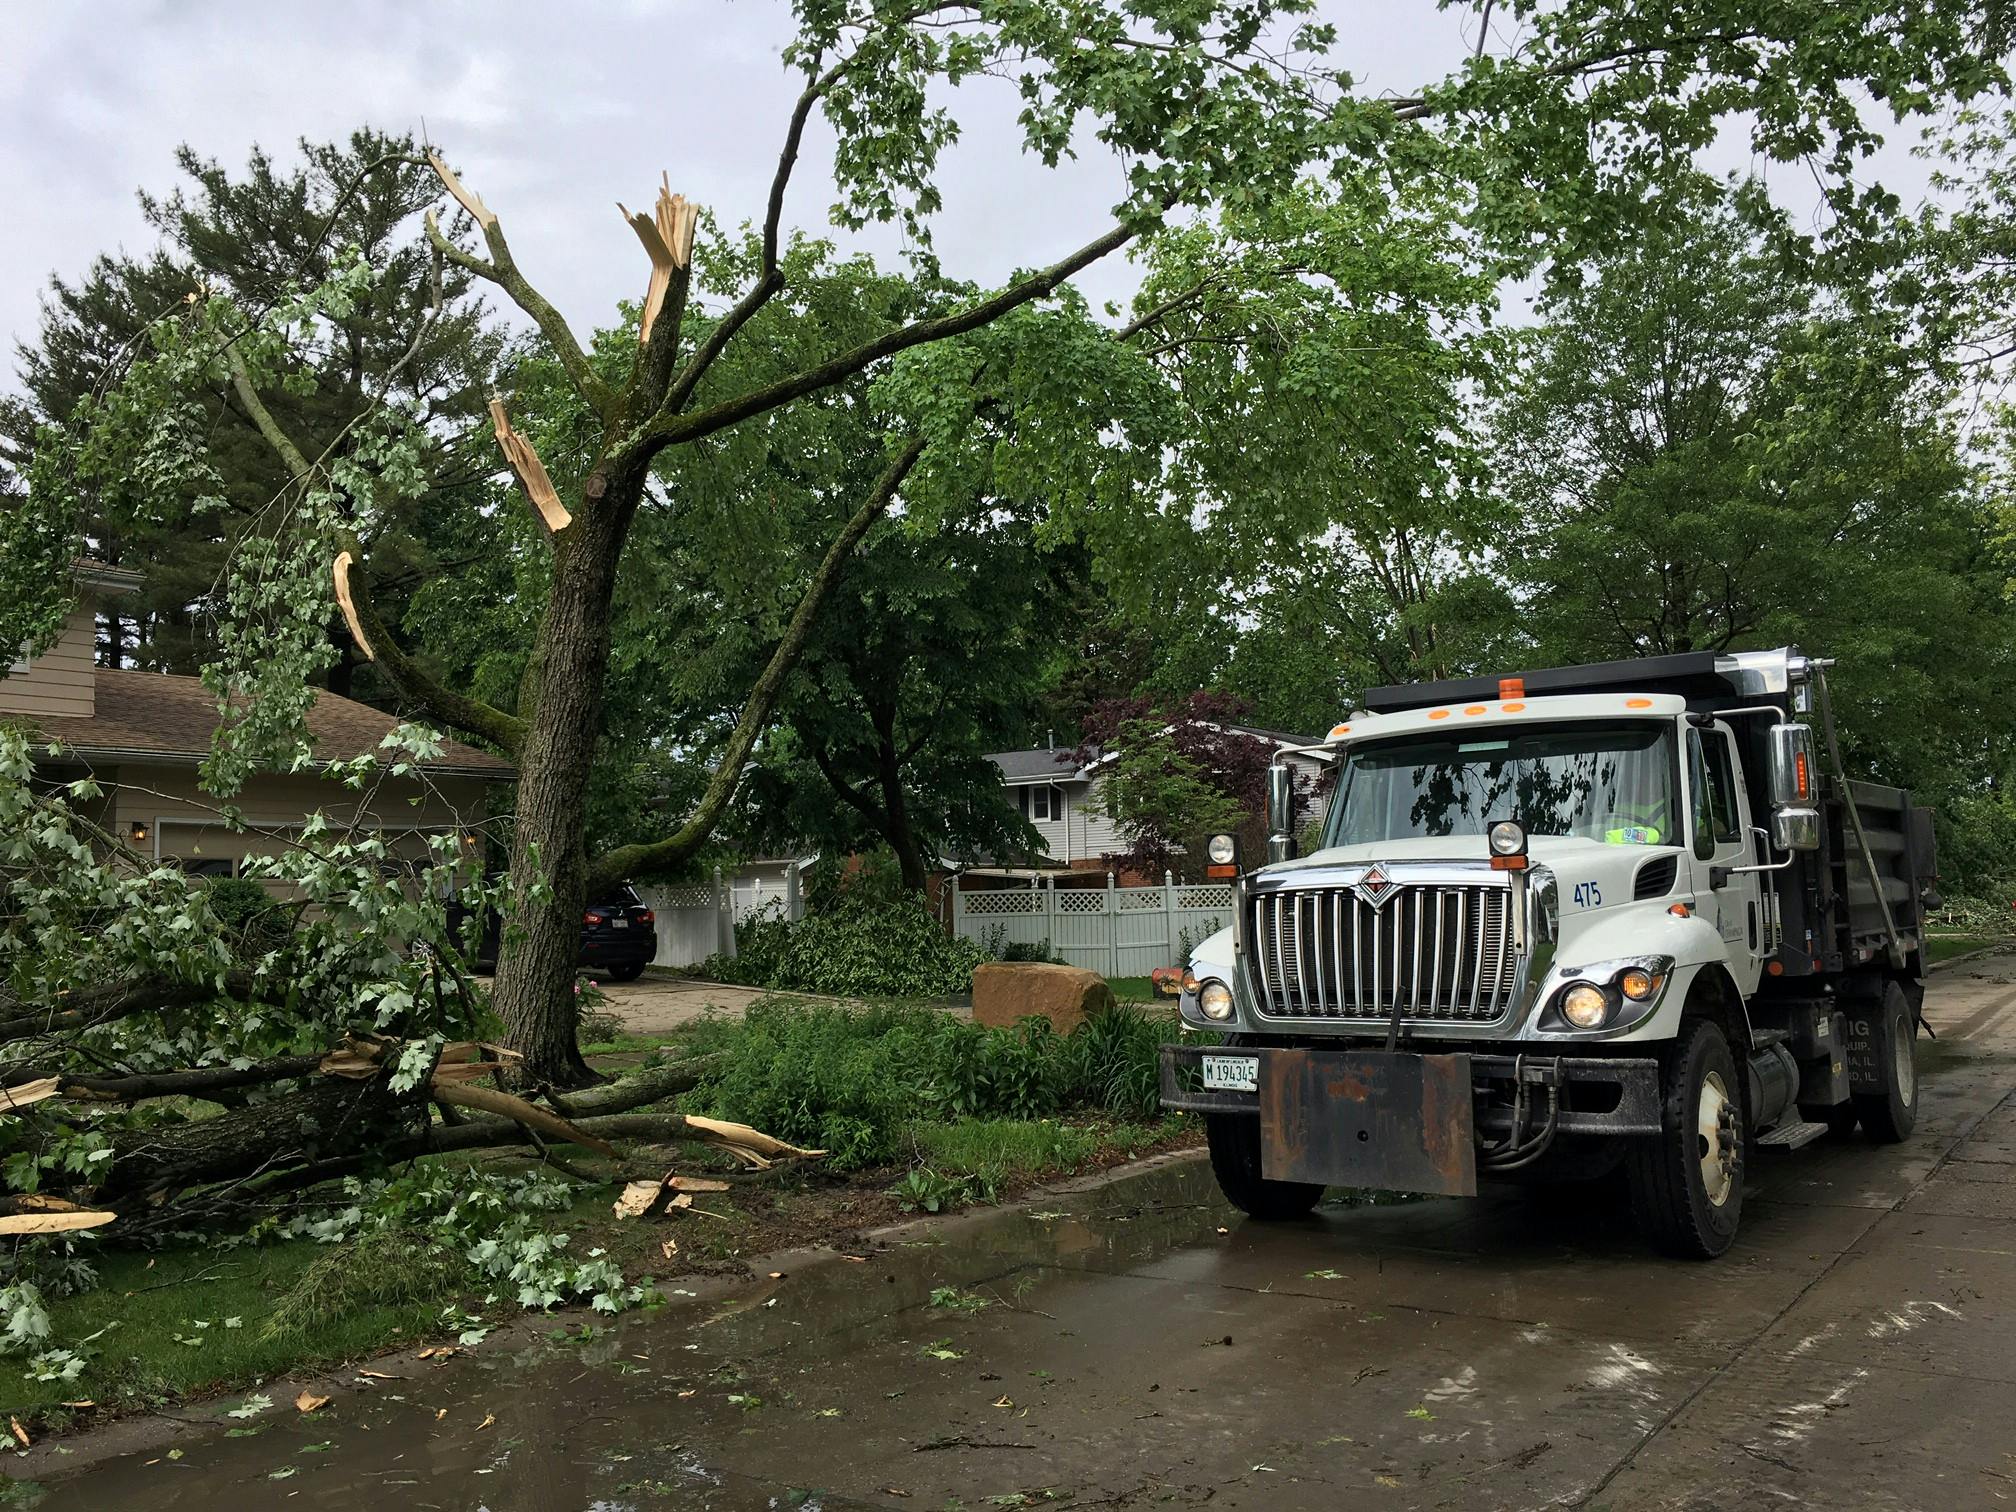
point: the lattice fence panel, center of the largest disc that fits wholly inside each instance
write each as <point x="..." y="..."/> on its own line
<point x="988" y="905"/>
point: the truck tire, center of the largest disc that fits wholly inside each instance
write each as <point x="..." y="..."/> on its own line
<point x="1235" y="1160"/>
<point x="1889" y="1116"/>
<point x="1687" y="1181"/>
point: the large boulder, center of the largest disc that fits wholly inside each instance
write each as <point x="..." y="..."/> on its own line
<point x="1006" y="991"/>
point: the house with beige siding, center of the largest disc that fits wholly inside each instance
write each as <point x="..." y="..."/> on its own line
<point x="143" y="735"/>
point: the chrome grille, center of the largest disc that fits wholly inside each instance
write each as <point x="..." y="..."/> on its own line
<point x="1444" y="952"/>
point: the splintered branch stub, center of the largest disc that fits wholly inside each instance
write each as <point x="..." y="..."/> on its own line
<point x="667" y="235"/>
<point x="530" y="470"/>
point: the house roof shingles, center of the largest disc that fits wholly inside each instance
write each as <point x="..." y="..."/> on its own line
<point x="1033" y="766"/>
<point x="164" y="716"/>
<point x="1057" y="765"/>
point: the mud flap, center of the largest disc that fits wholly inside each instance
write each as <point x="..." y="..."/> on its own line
<point x="1368" y="1118"/>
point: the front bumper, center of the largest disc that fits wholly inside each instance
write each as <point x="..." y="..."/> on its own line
<point x="1601" y="1095"/>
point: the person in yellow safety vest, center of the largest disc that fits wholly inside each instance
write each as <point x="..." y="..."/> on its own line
<point x="1635" y="824"/>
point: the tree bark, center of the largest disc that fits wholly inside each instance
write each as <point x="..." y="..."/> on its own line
<point x="561" y="704"/>
<point x="895" y="810"/>
<point x="328" y="1118"/>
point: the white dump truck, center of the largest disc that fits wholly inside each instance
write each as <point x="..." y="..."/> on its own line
<point x="1560" y="921"/>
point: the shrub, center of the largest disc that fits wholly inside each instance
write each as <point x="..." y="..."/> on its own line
<point x="853" y="1082"/>
<point x="860" y="947"/>
<point x="254" y="921"/>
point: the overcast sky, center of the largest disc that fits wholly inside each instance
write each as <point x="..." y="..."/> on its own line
<point x="553" y="112"/>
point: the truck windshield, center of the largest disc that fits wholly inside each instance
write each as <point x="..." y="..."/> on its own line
<point x="1611" y="782"/>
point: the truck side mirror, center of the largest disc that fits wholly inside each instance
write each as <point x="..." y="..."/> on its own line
<point x="1795" y="821"/>
<point x="1280" y="812"/>
<point x="1792" y="766"/>
<point x="1796" y="829"/>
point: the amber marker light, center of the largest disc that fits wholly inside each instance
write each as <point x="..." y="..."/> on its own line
<point x="1511" y="708"/>
<point x="1336" y="730"/>
<point x="1637" y="703"/>
<point x="1438" y="713"/>
<point x="1680" y="911"/>
<point x="1511" y="687"/>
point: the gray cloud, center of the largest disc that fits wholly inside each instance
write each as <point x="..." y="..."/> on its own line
<point x="553" y="112"/>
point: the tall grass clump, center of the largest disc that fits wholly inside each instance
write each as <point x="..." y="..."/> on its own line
<point x="852" y="1081"/>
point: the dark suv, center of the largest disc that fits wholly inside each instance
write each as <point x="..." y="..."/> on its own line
<point x="619" y="935"/>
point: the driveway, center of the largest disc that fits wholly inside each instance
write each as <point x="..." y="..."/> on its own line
<point x="658" y="1004"/>
<point x="1132" y="1344"/>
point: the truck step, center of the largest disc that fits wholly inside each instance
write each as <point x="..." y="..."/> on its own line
<point x="1793" y="1136"/>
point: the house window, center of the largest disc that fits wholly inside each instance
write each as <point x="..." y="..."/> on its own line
<point x="204" y="866"/>
<point x="1042" y="804"/>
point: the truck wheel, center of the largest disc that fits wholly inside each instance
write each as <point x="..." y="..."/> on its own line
<point x="1687" y="1182"/>
<point x="1235" y="1160"/>
<point x="1891" y="1114"/>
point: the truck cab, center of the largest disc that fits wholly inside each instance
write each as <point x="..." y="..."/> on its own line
<point x="1559" y="921"/>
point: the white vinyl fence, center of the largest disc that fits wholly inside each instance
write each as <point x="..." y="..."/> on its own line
<point x="699" y="919"/>
<point x="1115" y="931"/>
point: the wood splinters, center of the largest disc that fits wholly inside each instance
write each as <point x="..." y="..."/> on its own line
<point x="349" y="607"/>
<point x="53" y="1223"/>
<point x="530" y="470"/>
<point x="463" y="196"/>
<point x="667" y="235"/>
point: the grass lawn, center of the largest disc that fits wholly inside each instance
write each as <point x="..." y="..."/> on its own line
<point x="189" y="1324"/>
<point x="1945" y="947"/>
<point x="1134" y="990"/>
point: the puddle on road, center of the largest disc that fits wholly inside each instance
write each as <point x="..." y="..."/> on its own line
<point x="647" y="1413"/>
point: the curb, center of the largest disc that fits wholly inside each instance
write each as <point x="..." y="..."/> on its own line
<point x="2006" y="947"/>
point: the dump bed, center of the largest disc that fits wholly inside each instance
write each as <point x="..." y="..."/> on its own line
<point x="1832" y="919"/>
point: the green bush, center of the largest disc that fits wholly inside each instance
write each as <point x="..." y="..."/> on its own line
<point x="860" y="947"/>
<point x="253" y="919"/>
<point x="853" y="1082"/>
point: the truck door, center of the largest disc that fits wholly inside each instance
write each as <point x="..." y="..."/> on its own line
<point x="1723" y="839"/>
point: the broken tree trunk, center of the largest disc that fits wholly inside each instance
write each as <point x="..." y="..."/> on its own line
<point x="328" y="1117"/>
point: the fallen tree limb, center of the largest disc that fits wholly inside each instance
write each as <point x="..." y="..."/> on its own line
<point x="327" y="1117"/>
<point x="506" y="1105"/>
<point x="83" y="1010"/>
<point x="637" y="1091"/>
<point x="196" y="1082"/>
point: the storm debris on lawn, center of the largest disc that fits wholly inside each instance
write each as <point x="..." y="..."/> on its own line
<point x="638" y="1198"/>
<point x="307" y="1401"/>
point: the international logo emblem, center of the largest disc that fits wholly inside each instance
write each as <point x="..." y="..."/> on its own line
<point x="1375" y="887"/>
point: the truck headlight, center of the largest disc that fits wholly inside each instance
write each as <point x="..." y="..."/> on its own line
<point x="1222" y="849"/>
<point x="1585" y="1005"/>
<point x="1608" y="995"/>
<point x="1214" y="1000"/>
<point x="1507" y="838"/>
<point x="1639" y="985"/>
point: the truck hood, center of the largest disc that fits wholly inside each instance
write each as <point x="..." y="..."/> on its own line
<point x="1573" y="859"/>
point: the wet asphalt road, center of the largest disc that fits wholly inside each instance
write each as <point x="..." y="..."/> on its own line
<point x="1143" y="1347"/>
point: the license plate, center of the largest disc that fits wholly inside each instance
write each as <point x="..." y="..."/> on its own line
<point x="619" y="923"/>
<point x="1231" y="1073"/>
